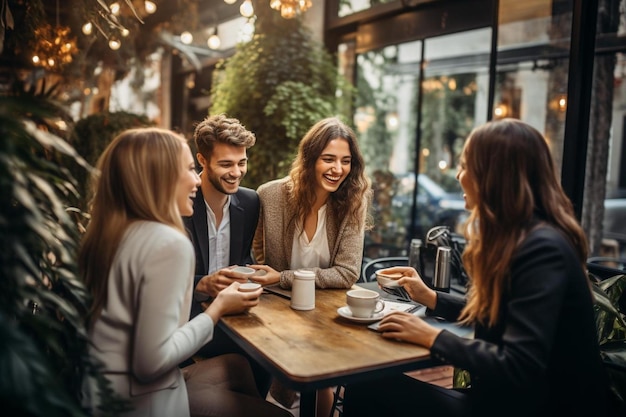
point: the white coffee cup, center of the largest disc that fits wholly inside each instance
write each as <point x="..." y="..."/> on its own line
<point x="364" y="303"/>
<point x="387" y="279"/>
<point x="244" y="271"/>
<point x="249" y="286"/>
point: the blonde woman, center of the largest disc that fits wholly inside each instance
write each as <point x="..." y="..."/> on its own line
<point x="138" y="263"/>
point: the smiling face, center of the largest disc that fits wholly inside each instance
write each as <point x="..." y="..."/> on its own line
<point x="332" y="166"/>
<point x="226" y="168"/>
<point x="188" y="183"/>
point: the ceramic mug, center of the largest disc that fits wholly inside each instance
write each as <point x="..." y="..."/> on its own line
<point x="244" y="271"/>
<point x="364" y="303"/>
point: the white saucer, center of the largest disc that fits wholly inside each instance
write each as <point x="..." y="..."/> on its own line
<point x="347" y="314"/>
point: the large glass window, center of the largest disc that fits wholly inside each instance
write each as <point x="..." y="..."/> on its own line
<point x="416" y="102"/>
<point x="424" y="79"/>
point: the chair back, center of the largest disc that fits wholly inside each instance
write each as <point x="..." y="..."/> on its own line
<point x="368" y="274"/>
<point x="605" y="267"/>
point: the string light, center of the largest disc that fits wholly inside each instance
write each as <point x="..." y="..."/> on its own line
<point x="214" y="41"/>
<point x="87" y="28"/>
<point x="186" y="37"/>
<point x="149" y="6"/>
<point x="114" y="43"/>
<point x="246" y="9"/>
<point x="115" y="8"/>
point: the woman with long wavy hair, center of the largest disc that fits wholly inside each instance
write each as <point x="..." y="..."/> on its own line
<point x="315" y="218"/>
<point x="138" y="263"/>
<point x="535" y="350"/>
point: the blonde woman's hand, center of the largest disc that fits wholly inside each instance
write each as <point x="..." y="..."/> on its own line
<point x="408" y="328"/>
<point x="232" y="301"/>
<point x="414" y="285"/>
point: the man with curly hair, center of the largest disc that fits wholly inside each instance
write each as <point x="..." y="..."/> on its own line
<point x="224" y="220"/>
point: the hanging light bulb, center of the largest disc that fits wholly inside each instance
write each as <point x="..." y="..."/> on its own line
<point x="36" y="59"/>
<point x="149" y="6"/>
<point x="124" y="32"/>
<point x="114" y="43"/>
<point x="115" y="8"/>
<point x="214" y="41"/>
<point x="246" y="9"/>
<point x="186" y="37"/>
<point x="88" y="28"/>
<point x="230" y="1"/>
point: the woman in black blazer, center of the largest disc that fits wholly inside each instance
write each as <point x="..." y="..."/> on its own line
<point x="535" y="350"/>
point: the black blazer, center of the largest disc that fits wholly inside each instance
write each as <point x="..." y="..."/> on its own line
<point x="244" y="215"/>
<point x="542" y="357"/>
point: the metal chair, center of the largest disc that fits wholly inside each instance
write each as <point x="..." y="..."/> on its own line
<point x="368" y="273"/>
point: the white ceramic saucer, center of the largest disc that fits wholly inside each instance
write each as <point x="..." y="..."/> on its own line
<point x="347" y="314"/>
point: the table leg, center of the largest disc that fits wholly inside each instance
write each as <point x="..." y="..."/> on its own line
<point x="308" y="403"/>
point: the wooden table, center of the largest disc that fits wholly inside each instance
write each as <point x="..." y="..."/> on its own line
<point x="307" y="350"/>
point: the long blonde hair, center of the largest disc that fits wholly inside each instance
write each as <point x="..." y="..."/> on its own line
<point x="347" y="201"/>
<point x="136" y="179"/>
<point x="515" y="182"/>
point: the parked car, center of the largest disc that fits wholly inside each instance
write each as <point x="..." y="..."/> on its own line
<point x="436" y="206"/>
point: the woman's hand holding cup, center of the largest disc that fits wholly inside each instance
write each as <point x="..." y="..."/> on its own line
<point x="413" y="284"/>
<point x="231" y="301"/>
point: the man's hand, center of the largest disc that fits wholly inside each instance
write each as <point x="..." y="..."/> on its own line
<point x="216" y="282"/>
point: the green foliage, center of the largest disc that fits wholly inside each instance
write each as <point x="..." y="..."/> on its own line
<point x="611" y="327"/>
<point x="278" y="85"/>
<point x="91" y="136"/>
<point x="44" y="351"/>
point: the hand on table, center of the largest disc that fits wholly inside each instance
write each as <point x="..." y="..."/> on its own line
<point x="218" y="281"/>
<point x="414" y="285"/>
<point x="407" y="327"/>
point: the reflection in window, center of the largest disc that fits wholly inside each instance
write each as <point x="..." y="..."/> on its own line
<point x="416" y="189"/>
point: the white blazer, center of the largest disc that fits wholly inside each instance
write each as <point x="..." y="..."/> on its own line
<point x="142" y="333"/>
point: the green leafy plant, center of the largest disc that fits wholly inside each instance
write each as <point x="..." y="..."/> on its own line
<point x="611" y="327"/>
<point x="278" y="85"/>
<point x="44" y="354"/>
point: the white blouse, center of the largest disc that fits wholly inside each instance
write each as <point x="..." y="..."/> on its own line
<point x="314" y="253"/>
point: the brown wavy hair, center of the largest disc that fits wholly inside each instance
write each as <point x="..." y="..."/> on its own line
<point x="352" y="196"/>
<point x="516" y="182"/>
<point x="136" y="179"/>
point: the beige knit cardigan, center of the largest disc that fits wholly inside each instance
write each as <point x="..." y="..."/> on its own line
<point x="273" y="240"/>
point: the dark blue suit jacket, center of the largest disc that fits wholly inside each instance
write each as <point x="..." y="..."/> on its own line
<point x="244" y="215"/>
